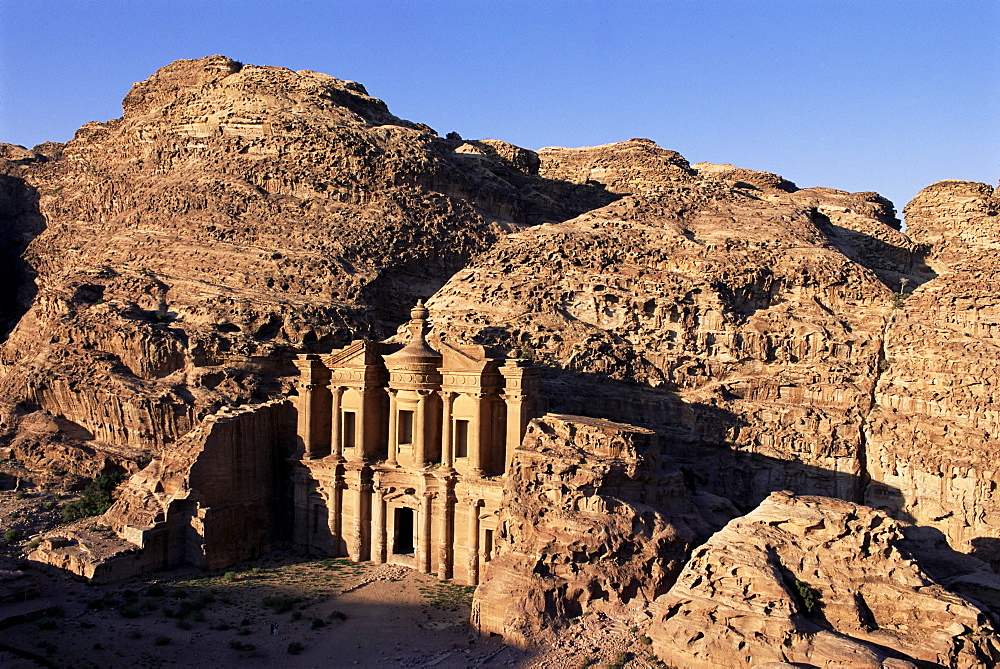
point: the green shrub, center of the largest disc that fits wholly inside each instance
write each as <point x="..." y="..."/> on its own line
<point x="161" y="640"/>
<point x="317" y="623"/>
<point x="808" y="596"/>
<point x="229" y="577"/>
<point x="295" y="648"/>
<point x="12" y="535"/>
<point x="35" y="543"/>
<point x="645" y="640"/>
<point x="48" y="506"/>
<point x="96" y="499"/>
<point x="154" y="591"/>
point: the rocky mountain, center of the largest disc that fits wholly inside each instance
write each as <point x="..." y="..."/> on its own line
<point x="166" y="263"/>
<point x="754" y="336"/>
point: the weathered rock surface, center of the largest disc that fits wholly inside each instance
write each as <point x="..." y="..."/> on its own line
<point x="733" y="322"/>
<point x="590" y="523"/>
<point x="234" y="213"/>
<point x="209" y="502"/>
<point x="932" y="434"/>
<point x="820" y="582"/>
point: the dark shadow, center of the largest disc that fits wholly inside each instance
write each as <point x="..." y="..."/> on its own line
<point x="20" y="222"/>
<point x="987" y="549"/>
<point x="892" y="264"/>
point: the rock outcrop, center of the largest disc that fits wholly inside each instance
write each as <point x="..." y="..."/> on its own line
<point x="820" y="582"/>
<point x="210" y="502"/>
<point x="932" y="444"/>
<point x="589" y="523"/>
<point x="716" y="310"/>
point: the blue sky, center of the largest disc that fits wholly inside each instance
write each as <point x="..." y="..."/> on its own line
<point x="884" y="95"/>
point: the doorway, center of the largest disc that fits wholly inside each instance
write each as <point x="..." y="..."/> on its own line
<point x="402" y="540"/>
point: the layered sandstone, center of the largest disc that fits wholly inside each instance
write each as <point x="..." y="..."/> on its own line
<point x="208" y="502"/>
<point x="932" y="435"/>
<point x="714" y="305"/>
<point x="820" y="582"/>
<point x="234" y="214"/>
<point x="589" y="523"/>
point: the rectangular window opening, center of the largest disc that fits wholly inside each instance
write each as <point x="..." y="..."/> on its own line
<point x="405" y="429"/>
<point x="488" y="546"/>
<point x="461" y="438"/>
<point x="349" y="429"/>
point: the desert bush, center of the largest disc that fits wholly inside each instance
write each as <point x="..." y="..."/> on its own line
<point x="808" y="596"/>
<point x="96" y="499"/>
<point x="128" y="610"/>
<point x="47" y="624"/>
<point x="295" y="648"/>
<point x="161" y="640"/>
<point x="317" y="623"/>
<point x="154" y="591"/>
<point x="12" y="535"/>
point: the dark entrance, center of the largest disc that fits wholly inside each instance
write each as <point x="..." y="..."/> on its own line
<point x="402" y="543"/>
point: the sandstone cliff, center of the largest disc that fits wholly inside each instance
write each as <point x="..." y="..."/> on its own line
<point x="232" y="215"/>
<point x="932" y="444"/>
<point x="590" y="523"/>
<point x="821" y="582"/>
<point x="715" y="305"/>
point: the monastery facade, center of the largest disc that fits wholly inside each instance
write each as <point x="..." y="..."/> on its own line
<point x="403" y="453"/>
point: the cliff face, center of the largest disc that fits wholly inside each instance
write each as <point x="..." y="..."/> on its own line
<point x="718" y="306"/>
<point x="234" y="213"/>
<point x="933" y="429"/>
<point x="165" y="264"/>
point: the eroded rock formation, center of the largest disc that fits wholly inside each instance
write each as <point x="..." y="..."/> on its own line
<point x="233" y="215"/>
<point x="932" y="445"/>
<point x="711" y="305"/>
<point x="589" y="522"/>
<point x="821" y="582"/>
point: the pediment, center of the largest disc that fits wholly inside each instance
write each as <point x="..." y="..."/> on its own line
<point x="358" y="353"/>
<point x="464" y="358"/>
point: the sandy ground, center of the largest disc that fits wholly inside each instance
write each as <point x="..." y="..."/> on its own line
<point x="329" y="612"/>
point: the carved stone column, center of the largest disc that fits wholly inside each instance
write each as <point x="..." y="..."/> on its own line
<point x="447" y="447"/>
<point x="362" y="518"/>
<point x="420" y="431"/>
<point x="473" y="541"/>
<point x="476" y="436"/>
<point x="445" y="535"/>
<point x="337" y="518"/>
<point x="305" y="408"/>
<point x="378" y="526"/>
<point x="515" y="426"/>
<point x="393" y="421"/>
<point x="424" y="534"/>
<point x="361" y="427"/>
<point x="336" y="440"/>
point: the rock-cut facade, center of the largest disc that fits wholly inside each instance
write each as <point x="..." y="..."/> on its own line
<point x="402" y="451"/>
